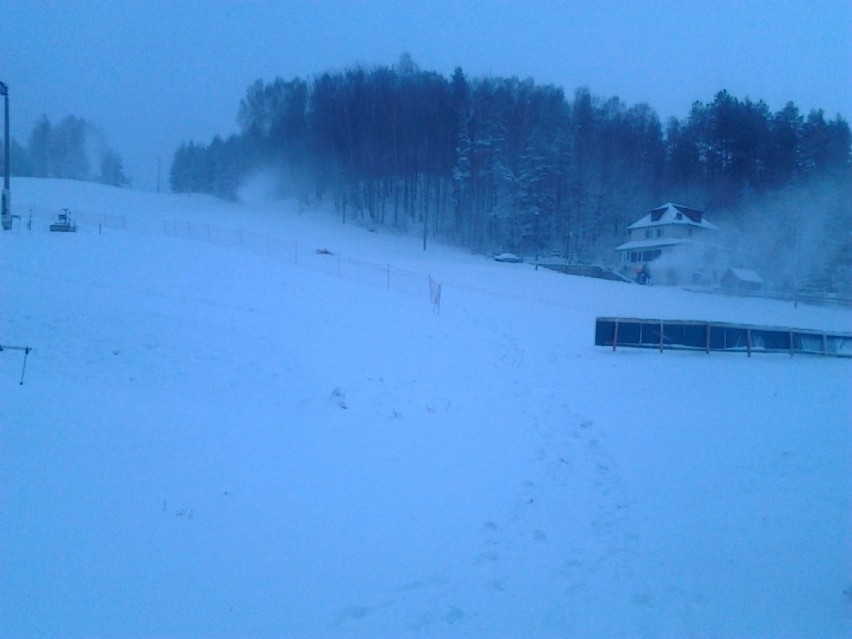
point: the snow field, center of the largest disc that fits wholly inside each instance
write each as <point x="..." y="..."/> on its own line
<point x="211" y="443"/>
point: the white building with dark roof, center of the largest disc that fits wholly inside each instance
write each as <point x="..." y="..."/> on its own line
<point x="675" y="243"/>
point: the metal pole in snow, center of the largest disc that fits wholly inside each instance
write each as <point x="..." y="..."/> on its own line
<point x="4" y="91"/>
<point x="26" y="350"/>
<point x="6" y="205"/>
<point x="24" y="368"/>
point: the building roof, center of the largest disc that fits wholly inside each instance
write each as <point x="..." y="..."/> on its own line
<point x="660" y="242"/>
<point x="670" y="213"/>
<point x="746" y="275"/>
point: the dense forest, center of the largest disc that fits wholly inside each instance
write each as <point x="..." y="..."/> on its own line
<point x="74" y="149"/>
<point x="506" y="164"/>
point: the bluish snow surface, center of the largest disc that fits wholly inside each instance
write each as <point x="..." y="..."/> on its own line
<point x="214" y="441"/>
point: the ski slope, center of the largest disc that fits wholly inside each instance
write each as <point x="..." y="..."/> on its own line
<point x="216" y="442"/>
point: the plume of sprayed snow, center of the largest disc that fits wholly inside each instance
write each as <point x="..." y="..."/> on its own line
<point x="261" y="186"/>
<point x="690" y="264"/>
<point x="95" y="147"/>
<point x="794" y="234"/>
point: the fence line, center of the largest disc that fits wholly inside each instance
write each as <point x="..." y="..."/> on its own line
<point x="815" y="299"/>
<point x="285" y="251"/>
<point x="36" y="216"/>
<point x="322" y="260"/>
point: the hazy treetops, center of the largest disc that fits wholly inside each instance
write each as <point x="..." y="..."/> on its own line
<point x="507" y="164"/>
<point x="503" y="164"/>
<point x="74" y="149"/>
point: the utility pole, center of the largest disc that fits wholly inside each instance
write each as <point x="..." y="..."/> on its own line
<point x="6" y="212"/>
<point x="796" y="273"/>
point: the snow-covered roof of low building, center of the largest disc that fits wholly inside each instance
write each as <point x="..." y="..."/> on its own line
<point x="670" y="213"/>
<point x="746" y="275"/>
<point x="660" y="243"/>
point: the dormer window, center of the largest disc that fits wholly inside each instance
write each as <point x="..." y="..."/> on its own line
<point x="678" y="216"/>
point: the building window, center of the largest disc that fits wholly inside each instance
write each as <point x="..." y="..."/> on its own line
<point x="659" y="232"/>
<point x="648" y="234"/>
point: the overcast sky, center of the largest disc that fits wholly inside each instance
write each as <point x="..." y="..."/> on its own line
<point x="154" y="73"/>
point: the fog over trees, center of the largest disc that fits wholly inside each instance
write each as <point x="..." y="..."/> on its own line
<point x="508" y="164"/>
<point x="503" y="164"/>
<point x="73" y="148"/>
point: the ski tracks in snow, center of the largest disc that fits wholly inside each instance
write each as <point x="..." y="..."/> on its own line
<point x="565" y="539"/>
<point x="561" y="542"/>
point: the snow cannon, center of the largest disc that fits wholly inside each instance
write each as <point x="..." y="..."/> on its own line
<point x="63" y="223"/>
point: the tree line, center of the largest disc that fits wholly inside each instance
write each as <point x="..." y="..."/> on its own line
<point x="73" y="148"/>
<point x="508" y="164"/>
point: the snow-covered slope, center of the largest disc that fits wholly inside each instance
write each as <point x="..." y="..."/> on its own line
<point x="216" y="442"/>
